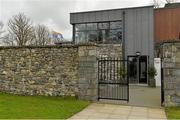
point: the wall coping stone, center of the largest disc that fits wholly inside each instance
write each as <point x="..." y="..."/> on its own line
<point x="48" y="46"/>
<point x="59" y="46"/>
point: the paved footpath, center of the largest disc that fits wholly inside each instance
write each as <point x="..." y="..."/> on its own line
<point x="111" y="111"/>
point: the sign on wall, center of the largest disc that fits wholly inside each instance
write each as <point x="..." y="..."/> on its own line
<point x="157" y="65"/>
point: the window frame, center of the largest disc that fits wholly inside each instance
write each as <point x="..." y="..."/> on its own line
<point x="98" y="30"/>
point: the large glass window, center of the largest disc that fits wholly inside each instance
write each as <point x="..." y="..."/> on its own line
<point x="103" y="25"/>
<point x="115" y="25"/>
<point x="103" y="36"/>
<point x="115" y="36"/>
<point x="80" y="27"/>
<point x="104" y="32"/>
<point x="80" y="37"/>
<point x="92" y="26"/>
<point x="92" y="36"/>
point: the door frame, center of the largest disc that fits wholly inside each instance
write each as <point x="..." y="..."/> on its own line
<point x="138" y="65"/>
<point x="147" y="63"/>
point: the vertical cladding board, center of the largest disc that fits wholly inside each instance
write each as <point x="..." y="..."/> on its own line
<point x="98" y="16"/>
<point x="151" y="34"/>
<point x="71" y="18"/>
<point x="111" y="15"/>
<point x="105" y="16"/>
<point x="92" y="17"/>
<point x="118" y="15"/>
<point x="167" y="25"/>
<point x="145" y="35"/>
<point x="86" y="17"/>
<point x="129" y="32"/>
<point x="80" y="18"/>
<point x="139" y="31"/>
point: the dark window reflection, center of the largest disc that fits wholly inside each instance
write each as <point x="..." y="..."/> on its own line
<point x="80" y="37"/>
<point x="105" y="32"/>
<point x="115" y="36"/>
<point x="115" y="25"/>
<point x="103" y="36"/>
<point x="103" y="25"/>
<point x="92" y="36"/>
<point x="133" y="69"/>
<point x="80" y="27"/>
<point x="92" y="26"/>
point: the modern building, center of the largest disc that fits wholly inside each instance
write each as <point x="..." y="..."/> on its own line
<point x="167" y="31"/>
<point x="131" y="27"/>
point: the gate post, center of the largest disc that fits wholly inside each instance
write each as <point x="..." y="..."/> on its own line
<point x="87" y="72"/>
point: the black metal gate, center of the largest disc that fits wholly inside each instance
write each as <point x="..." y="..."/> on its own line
<point x="113" y="81"/>
<point x="162" y="83"/>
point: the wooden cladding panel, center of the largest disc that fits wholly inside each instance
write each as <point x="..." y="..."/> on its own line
<point x="167" y="24"/>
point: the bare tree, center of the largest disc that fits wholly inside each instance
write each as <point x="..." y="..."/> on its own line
<point x="1" y="28"/>
<point x="8" y="40"/>
<point x="42" y="35"/>
<point x="20" y="27"/>
<point x="156" y="3"/>
<point x="170" y="1"/>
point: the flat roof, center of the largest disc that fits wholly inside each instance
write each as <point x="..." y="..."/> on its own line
<point x="113" y="9"/>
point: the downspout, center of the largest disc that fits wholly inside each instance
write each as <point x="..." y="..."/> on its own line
<point x="123" y="36"/>
<point x="123" y="52"/>
<point x="73" y="34"/>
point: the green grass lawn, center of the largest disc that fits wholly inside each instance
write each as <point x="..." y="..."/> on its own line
<point x="39" y="107"/>
<point x="173" y="112"/>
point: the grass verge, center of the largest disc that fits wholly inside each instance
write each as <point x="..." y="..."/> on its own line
<point x="39" y="107"/>
<point x="172" y="112"/>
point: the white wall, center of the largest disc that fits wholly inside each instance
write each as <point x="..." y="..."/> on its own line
<point x="157" y="65"/>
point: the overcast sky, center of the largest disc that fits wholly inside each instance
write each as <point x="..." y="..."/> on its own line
<point x="55" y="13"/>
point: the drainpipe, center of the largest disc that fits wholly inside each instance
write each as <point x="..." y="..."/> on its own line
<point x="138" y="76"/>
<point x="73" y="34"/>
<point x="123" y="36"/>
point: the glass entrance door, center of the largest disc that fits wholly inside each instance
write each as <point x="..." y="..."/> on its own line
<point x="133" y="78"/>
<point x="143" y="69"/>
<point x="138" y="69"/>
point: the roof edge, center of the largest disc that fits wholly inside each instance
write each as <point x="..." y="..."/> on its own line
<point x="113" y="9"/>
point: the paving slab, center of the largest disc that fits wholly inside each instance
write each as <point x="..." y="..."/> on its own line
<point x="114" y="111"/>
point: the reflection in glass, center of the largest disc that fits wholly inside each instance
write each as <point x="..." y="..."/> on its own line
<point x="80" y="27"/>
<point x="105" y="32"/>
<point x="103" y="25"/>
<point x="115" y="25"/>
<point x="143" y="70"/>
<point x="92" y="26"/>
<point x="103" y="35"/>
<point x="80" y="37"/>
<point x="133" y="70"/>
<point x="92" y="36"/>
<point x="115" y="36"/>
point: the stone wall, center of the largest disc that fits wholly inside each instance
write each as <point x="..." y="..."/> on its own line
<point x="110" y="50"/>
<point x="39" y="70"/>
<point x="53" y="70"/>
<point x="171" y="66"/>
<point x="88" y="72"/>
<point x="87" y="69"/>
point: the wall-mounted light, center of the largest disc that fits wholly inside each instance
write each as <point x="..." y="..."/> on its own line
<point x="138" y="53"/>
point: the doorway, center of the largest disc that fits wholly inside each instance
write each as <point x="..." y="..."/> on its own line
<point x="143" y="69"/>
<point x="138" y="66"/>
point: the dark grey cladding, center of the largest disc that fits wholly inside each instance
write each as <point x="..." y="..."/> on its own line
<point x="138" y="30"/>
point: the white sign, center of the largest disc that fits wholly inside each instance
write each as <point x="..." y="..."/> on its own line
<point x="157" y="65"/>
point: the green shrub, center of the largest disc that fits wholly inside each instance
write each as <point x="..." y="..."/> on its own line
<point x="152" y="72"/>
<point x="122" y="71"/>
